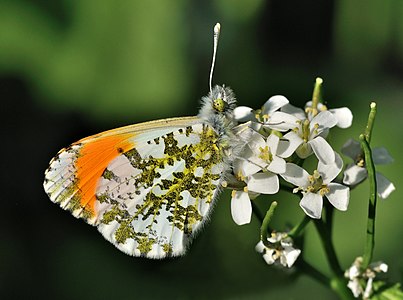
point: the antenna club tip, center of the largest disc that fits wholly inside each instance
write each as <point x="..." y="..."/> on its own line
<point x="217" y="28"/>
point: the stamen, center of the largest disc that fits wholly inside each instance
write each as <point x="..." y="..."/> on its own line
<point x="316" y="184"/>
<point x="240" y="176"/>
<point x="360" y="162"/>
<point x="265" y="154"/>
<point x="316" y="126"/>
<point x="324" y="190"/>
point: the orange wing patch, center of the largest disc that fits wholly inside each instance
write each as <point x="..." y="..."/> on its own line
<point x="73" y="175"/>
<point x="93" y="158"/>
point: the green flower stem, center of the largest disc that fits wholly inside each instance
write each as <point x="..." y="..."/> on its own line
<point x="370" y="123"/>
<point x="328" y="245"/>
<point x="329" y="217"/>
<point x="299" y="227"/>
<point x="311" y="271"/>
<point x="266" y="221"/>
<point x="317" y="92"/>
<point x="370" y="243"/>
<point x="339" y="286"/>
<point x="338" y="283"/>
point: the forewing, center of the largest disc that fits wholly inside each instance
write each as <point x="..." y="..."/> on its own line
<point x="148" y="187"/>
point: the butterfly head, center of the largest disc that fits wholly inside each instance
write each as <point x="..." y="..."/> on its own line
<point x="220" y="102"/>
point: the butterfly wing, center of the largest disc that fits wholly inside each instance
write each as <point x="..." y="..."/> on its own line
<point x="147" y="187"/>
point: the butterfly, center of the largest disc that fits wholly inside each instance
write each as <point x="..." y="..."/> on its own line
<point x="150" y="187"/>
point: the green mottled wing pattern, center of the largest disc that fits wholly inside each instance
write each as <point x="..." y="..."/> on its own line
<point x="152" y="199"/>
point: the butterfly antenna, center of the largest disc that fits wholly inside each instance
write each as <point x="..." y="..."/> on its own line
<point x="217" y="28"/>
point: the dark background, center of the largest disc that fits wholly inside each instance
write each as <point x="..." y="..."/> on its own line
<point x="69" y="69"/>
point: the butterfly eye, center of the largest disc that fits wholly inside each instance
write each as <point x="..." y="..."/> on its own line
<point x="219" y="105"/>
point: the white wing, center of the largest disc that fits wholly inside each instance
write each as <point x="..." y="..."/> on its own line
<point x="147" y="187"/>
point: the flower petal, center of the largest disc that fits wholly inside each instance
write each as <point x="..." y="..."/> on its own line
<point x="330" y="171"/>
<point x="384" y="186"/>
<point x="243" y="167"/>
<point x="379" y="266"/>
<point x="269" y="257"/>
<point x="368" y="288"/>
<point x="264" y="183"/>
<point x="296" y="175"/>
<point x="277" y="165"/>
<point x="352" y="272"/>
<point x="288" y="144"/>
<point x="295" y="111"/>
<point x="338" y="196"/>
<point x="309" y="104"/>
<point x="256" y="141"/>
<point x="322" y="150"/>
<point x="250" y="167"/>
<point x="272" y="143"/>
<point x="354" y="174"/>
<point x="241" y="208"/>
<point x="324" y="133"/>
<point x="260" y="247"/>
<point x="381" y="156"/>
<point x="352" y="149"/>
<point x="243" y="114"/>
<point x="274" y="103"/>
<point x="275" y="237"/>
<point x="247" y="165"/>
<point x="290" y="254"/>
<point x="321" y="121"/>
<point x="343" y="115"/>
<point x="282" y="121"/>
<point x="355" y="287"/>
<point x="312" y="204"/>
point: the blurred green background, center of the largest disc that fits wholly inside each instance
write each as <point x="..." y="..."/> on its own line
<point x="69" y="69"/>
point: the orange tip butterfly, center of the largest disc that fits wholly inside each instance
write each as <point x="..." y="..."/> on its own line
<point x="150" y="187"/>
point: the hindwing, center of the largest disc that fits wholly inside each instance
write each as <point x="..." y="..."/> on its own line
<point x="147" y="187"/>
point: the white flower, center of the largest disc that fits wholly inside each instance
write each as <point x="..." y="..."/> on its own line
<point x="245" y="113"/>
<point x="356" y="172"/>
<point x="314" y="187"/>
<point x="295" y="111"/>
<point x="306" y="136"/>
<point x="261" y="155"/>
<point x="278" y="247"/>
<point x="343" y="115"/>
<point x="257" y="167"/>
<point x="358" y="277"/>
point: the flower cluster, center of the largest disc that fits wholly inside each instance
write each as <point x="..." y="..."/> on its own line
<point x="278" y="247"/>
<point x="282" y="132"/>
<point x="280" y="138"/>
<point x="360" y="281"/>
